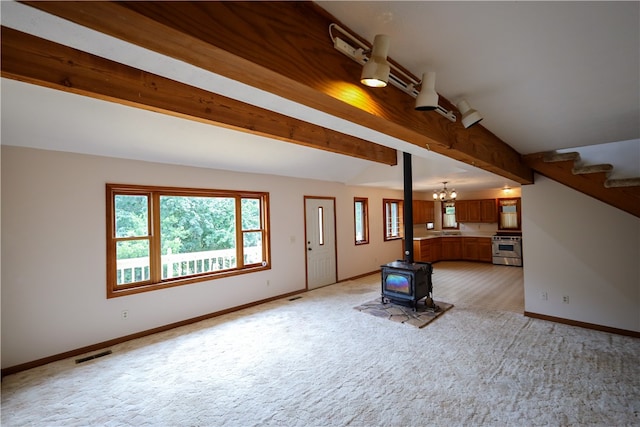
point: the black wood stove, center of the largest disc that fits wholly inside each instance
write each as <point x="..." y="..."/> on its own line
<point x="406" y="283"/>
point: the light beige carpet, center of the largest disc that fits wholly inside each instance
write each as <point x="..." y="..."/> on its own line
<point x="316" y="361"/>
<point x="419" y="317"/>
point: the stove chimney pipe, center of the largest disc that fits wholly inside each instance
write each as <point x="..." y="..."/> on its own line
<point x="408" y="208"/>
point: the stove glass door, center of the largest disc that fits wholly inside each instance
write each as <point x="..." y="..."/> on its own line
<point x="510" y="249"/>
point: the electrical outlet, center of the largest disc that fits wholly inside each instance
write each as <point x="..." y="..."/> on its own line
<point x="565" y="299"/>
<point x="125" y="314"/>
<point x="268" y="282"/>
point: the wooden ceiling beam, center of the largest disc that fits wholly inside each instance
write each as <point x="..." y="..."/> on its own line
<point x="284" y="48"/>
<point x="34" y="60"/>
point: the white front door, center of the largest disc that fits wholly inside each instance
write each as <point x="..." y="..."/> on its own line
<point x="320" y="223"/>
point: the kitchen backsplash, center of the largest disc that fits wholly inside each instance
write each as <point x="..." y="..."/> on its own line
<point x="420" y="230"/>
<point x="480" y="226"/>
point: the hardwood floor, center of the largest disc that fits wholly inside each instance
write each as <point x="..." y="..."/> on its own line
<point x="495" y="287"/>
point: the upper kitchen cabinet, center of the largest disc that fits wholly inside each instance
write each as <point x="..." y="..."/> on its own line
<point x="488" y="210"/>
<point x="509" y="214"/>
<point x="423" y="211"/>
<point x="476" y="210"/>
<point x="462" y="210"/>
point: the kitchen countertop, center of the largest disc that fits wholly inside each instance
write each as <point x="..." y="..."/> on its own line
<point x="449" y="234"/>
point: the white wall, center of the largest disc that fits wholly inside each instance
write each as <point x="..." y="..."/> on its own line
<point x="53" y="249"/>
<point x="574" y="245"/>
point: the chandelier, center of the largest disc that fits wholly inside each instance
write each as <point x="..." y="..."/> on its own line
<point x="445" y="195"/>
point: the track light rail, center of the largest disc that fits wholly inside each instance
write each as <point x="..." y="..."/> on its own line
<point x="398" y="78"/>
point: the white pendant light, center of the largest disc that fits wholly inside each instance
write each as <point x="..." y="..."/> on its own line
<point x="375" y="73"/>
<point x="427" y="99"/>
<point x="469" y="116"/>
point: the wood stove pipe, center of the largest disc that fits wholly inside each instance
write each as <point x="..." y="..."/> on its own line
<point x="408" y="208"/>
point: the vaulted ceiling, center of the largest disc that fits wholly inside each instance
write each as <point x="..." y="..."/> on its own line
<point x="545" y="75"/>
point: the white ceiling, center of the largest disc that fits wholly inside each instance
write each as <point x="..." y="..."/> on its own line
<point x="545" y="75"/>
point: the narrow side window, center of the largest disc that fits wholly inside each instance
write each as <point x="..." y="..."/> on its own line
<point x="393" y="222"/>
<point x="361" y="220"/>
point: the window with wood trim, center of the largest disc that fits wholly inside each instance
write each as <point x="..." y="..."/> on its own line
<point x="361" y="220"/>
<point x="159" y="237"/>
<point x="393" y="223"/>
<point x="449" y="215"/>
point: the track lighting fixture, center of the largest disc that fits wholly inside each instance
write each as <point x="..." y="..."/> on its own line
<point x="375" y="73"/>
<point x="469" y="116"/>
<point x="427" y="99"/>
<point x="358" y="51"/>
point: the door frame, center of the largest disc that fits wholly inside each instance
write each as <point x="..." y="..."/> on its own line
<point x="335" y="236"/>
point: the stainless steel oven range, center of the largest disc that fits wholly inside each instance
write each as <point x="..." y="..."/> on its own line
<point x="507" y="250"/>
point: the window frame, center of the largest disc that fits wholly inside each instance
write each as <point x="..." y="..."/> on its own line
<point x="154" y="237"/>
<point x="386" y="221"/>
<point x="364" y="220"/>
<point x="443" y="214"/>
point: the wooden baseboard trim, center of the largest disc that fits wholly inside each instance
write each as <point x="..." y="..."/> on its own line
<point x="585" y="325"/>
<point x="359" y="276"/>
<point x="102" y="345"/>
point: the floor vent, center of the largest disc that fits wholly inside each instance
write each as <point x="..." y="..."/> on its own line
<point x="294" y="298"/>
<point x="94" y="356"/>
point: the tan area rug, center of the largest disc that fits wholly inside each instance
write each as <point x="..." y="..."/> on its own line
<point x="420" y="317"/>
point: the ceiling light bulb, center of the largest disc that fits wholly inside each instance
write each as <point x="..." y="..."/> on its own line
<point x="375" y="73"/>
<point x="469" y="116"/>
<point x="445" y="195"/>
<point x="427" y="99"/>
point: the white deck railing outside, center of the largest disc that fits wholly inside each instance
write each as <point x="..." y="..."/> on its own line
<point x="178" y="265"/>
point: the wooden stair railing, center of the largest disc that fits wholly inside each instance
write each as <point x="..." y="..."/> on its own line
<point x="592" y="180"/>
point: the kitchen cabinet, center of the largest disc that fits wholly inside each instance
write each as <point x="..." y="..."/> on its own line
<point x="488" y="210"/>
<point x="473" y="211"/>
<point x="427" y="250"/>
<point x="469" y="248"/>
<point x="451" y="248"/>
<point x="423" y="211"/>
<point x="419" y="250"/>
<point x="483" y="210"/>
<point x="485" y="251"/>
<point x="430" y="211"/>
<point x="436" y="249"/>
<point x="477" y="249"/>
<point x="462" y="211"/>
